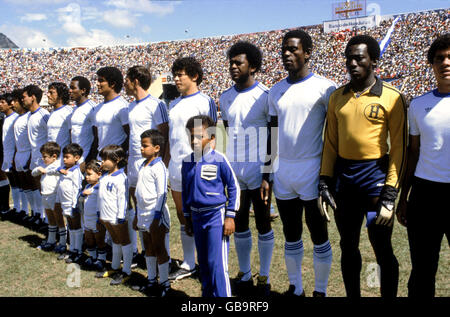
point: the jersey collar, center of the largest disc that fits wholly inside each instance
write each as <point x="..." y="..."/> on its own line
<point x="111" y="100"/>
<point x="377" y="88"/>
<point x="119" y="171"/>
<point x="146" y="97"/>
<point x="246" y="89"/>
<point x="87" y="100"/>
<point x="156" y="160"/>
<point x="300" y="80"/>
<point x="188" y="96"/>
<point x="440" y="95"/>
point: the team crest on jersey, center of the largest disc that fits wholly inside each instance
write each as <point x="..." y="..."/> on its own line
<point x="374" y="112"/>
<point x="208" y="172"/>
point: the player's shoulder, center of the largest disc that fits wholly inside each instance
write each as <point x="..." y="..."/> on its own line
<point x="326" y="82"/>
<point x="227" y="92"/>
<point x="262" y="87"/>
<point x="390" y="89"/>
<point x="422" y="100"/>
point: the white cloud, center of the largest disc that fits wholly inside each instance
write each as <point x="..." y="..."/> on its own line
<point x="36" y="2"/>
<point x="70" y="17"/>
<point x="119" y="18"/>
<point x="30" y="17"/>
<point x="97" y="37"/>
<point x="144" y="6"/>
<point x="26" y="37"/>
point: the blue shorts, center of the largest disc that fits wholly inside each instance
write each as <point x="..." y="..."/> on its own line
<point x="365" y="177"/>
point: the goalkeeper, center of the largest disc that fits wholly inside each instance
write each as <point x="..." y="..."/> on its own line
<point x="358" y="169"/>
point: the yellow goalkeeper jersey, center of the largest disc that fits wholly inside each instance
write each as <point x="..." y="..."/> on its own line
<point x="358" y="128"/>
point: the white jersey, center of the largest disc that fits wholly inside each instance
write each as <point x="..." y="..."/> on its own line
<point x="81" y="122"/>
<point x="144" y="114"/>
<point x="91" y="200"/>
<point x="58" y="126"/>
<point x="180" y="110"/>
<point x="69" y="188"/>
<point x="113" y="196"/>
<point x="247" y="113"/>
<point x="49" y="180"/>
<point x="151" y="188"/>
<point x="110" y="117"/>
<point x="429" y="117"/>
<point x="301" y="109"/>
<point x="37" y="129"/>
<point x="21" y="133"/>
<point x="9" y="144"/>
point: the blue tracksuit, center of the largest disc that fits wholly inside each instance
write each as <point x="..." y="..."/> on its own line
<point x="205" y="201"/>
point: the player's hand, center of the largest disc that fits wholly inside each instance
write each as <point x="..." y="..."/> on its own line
<point x="385" y="215"/>
<point x="228" y="227"/>
<point x="265" y="190"/>
<point x="41" y="170"/>
<point x="121" y="221"/>
<point x="188" y="227"/>
<point x="401" y="212"/>
<point x="63" y="171"/>
<point x="325" y="199"/>
<point x="87" y="192"/>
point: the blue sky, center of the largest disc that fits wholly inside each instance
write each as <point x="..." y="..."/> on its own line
<point x="59" y="23"/>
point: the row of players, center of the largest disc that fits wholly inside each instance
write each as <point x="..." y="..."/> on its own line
<point x="354" y="165"/>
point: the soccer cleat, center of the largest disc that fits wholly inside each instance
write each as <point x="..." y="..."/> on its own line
<point x="60" y="249"/>
<point x="291" y="292"/>
<point x="119" y="278"/>
<point x="152" y="289"/>
<point x="262" y="287"/>
<point x="63" y="256"/>
<point x="45" y="246"/>
<point x="78" y="258"/>
<point x="243" y="288"/>
<point x="181" y="273"/>
<point x="318" y="294"/>
<point x="89" y="262"/>
<point x="43" y="228"/>
<point x="134" y="261"/>
<point x="106" y="273"/>
<point x="5" y="215"/>
<point x="166" y="290"/>
<point x="99" y="265"/>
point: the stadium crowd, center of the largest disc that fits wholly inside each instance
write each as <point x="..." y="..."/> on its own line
<point x="404" y="58"/>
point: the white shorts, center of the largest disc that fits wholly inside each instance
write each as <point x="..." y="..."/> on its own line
<point x="132" y="170"/>
<point x="36" y="159"/>
<point x="112" y="218"/>
<point x="7" y="162"/>
<point x="297" y="179"/>
<point x="90" y="220"/>
<point x="48" y="201"/>
<point x="248" y="174"/>
<point x="145" y="219"/>
<point x="21" y="160"/>
<point x="68" y="211"/>
<point x="175" y="176"/>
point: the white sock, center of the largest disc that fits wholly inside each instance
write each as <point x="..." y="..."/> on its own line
<point x="131" y="232"/>
<point x="39" y="207"/>
<point x="293" y="254"/>
<point x="127" y="251"/>
<point x="24" y="201"/>
<point x="15" y="193"/>
<point x="101" y="254"/>
<point x="188" y="244"/>
<point x="79" y="240"/>
<point x="62" y="235"/>
<point x="72" y="240"/>
<point x="30" y="197"/>
<point x="323" y="257"/>
<point x="52" y="234"/>
<point x="243" y="245"/>
<point x="116" y="256"/>
<point x="266" y="243"/>
<point x="151" y="267"/>
<point x="92" y="253"/>
<point x="163" y="270"/>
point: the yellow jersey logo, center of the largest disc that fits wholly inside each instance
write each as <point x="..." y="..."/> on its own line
<point x="374" y="112"/>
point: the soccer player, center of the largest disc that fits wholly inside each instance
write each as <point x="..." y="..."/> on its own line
<point x="145" y="112"/>
<point x="22" y="154"/>
<point x="245" y="111"/>
<point x="297" y="109"/>
<point x="112" y="204"/>
<point x="58" y="125"/>
<point x="361" y="116"/>
<point x="111" y="116"/>
<point x="208" y="211"/>
<point x="49" y="175"/>
<point x="5" y="212"/>
<point x="6" y="107"/>
<point x="67" y="194"/>
<point x="83" y="119"/>
<point x="152" y="214"/>
<point x="428" y="174"/>
<point x="37" y="135"/>
<point x="188" y="75"/>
